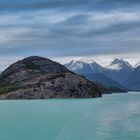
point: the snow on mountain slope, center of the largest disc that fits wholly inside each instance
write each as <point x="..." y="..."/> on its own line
<point x="138" y="64"/>
<point x="83" y="67"/>
<point x="118" y="64"/>
<point x="118" y="69"/>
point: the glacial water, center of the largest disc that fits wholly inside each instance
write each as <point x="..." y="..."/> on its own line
<point x="113" y="117"/>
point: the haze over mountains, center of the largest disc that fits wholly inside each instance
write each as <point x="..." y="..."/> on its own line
<point x="118" y="72"/>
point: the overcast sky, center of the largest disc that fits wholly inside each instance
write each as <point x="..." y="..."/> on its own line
<point x="57" y="28"/>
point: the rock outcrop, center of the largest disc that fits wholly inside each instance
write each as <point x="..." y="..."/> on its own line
<point x="40" y="78"/>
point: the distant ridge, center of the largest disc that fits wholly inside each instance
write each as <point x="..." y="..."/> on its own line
<point x="106" y="81"/>
<point x="133" y="81"/>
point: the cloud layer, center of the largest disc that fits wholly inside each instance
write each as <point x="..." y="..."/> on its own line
<point x="69" y="28"/>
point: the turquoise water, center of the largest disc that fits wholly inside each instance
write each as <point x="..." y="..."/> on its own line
<point x="113" y="117"/>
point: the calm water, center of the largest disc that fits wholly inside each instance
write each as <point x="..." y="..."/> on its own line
<point x="113" y="117"/>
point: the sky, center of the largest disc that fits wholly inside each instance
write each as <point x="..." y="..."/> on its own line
<point x="69" y="28"/>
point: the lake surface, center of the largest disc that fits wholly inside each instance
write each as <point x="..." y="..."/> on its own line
<point x="113" y="117"/>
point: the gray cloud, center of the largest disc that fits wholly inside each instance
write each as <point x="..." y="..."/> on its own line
<point x="81" y="26"/>
<point x="67" y="28"/>
<point x="20" y="5"/>
<point x="115" y="28"/>
<point x="121" y="1"/>
<point x="15" y="5"/>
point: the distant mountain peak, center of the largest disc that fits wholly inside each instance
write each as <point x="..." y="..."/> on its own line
<point x="83" y="67"/>
<point x="118" y="64"/>
<point x="76" y="65"/>
<point x="117" y="69"/>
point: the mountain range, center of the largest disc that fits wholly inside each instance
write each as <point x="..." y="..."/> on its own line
<point x="37" y="77"/>
<point x="118" y="73"/>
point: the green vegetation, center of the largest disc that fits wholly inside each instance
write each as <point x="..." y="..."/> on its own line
<point x="9" y="88"/>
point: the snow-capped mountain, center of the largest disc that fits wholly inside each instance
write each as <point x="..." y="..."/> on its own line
<point x="118" y="64"/>
<point x="118" y="69"/>
<point x="83" y="67"/>
<point x="94" y="67"/>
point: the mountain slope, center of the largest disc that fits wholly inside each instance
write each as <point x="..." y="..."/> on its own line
<point x="106" y="81"/>
<point x="38" y="78"/>
<point x="118" y="70"/>
<point x="133" y="82"/>
<point x="137" y="64"/>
